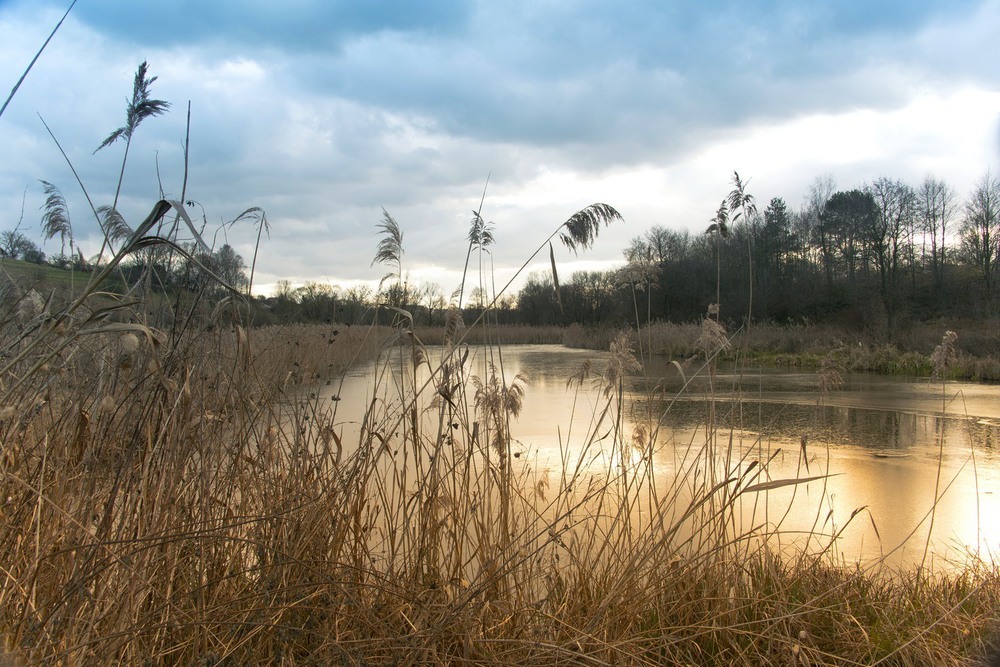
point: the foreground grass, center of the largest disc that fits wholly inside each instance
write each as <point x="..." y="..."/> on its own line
<point x="196" y="502"/>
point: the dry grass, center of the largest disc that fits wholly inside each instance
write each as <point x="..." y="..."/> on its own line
<point x="195" y="502"/>
<point x="909" y="353"/>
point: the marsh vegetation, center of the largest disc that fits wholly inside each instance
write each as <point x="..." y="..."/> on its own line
<point x="177" y="487"/>
<point x="197" y="500"/>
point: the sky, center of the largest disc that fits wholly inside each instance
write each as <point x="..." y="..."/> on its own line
<point x="324" y="113"/>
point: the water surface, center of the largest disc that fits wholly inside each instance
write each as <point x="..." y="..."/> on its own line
<point x="884" y="444"/>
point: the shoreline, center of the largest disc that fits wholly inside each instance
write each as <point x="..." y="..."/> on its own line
<point x="908" y="353"/>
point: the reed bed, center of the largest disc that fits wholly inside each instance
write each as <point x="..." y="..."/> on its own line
<point x="197" y="500"/>
<point x="808" y="345"/>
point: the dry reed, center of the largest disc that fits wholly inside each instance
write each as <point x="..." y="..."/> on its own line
<point x="197" y="501"/>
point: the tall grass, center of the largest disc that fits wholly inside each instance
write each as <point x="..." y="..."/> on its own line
<point x="197" y="498"/>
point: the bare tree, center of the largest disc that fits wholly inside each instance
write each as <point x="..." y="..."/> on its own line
<point x="895" y="202"/>
<point x="981" y="229"/>
<point x="936" y="201"/>
<point x="283" y="290"/>
<point x="14" y="244"/>
<point x="431" y="296"/>
<point x="810" y="229"/>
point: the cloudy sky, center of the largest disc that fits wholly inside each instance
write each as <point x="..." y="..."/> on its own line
<point x="322" y="112"/>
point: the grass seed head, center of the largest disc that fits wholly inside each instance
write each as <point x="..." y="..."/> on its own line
<point x="453" y="323"/>
<point x="30" y="306"/>
<point x="830" y="374"/>
<point x="944" y="354"/>
<point x="130" y="342"/>
<point x="712" y="338"/>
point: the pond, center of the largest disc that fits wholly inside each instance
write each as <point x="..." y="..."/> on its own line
<point x="881" y="445"/>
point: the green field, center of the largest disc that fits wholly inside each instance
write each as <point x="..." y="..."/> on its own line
<point x="27" y="274"/>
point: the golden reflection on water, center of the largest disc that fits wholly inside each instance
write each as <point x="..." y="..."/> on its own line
<point x="885" y="445"/>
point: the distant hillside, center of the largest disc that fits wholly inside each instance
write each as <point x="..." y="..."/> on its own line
<point x="28" y="274"/>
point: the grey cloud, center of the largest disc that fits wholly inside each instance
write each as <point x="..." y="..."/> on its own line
<point x="250" y="26"/>
<point x="565" y="79"/>
<point x="322" y="113"/>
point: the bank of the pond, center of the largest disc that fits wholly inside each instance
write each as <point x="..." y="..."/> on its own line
<point x="907" y="352"/>
<point x="327" y="350"/>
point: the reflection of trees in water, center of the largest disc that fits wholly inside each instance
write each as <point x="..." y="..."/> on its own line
<point x="834" y="424"/>
<point x="873" y="428"/>
<point x="985" y="434"/>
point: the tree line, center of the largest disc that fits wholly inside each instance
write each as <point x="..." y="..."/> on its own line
<point x="872" y="257"/>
